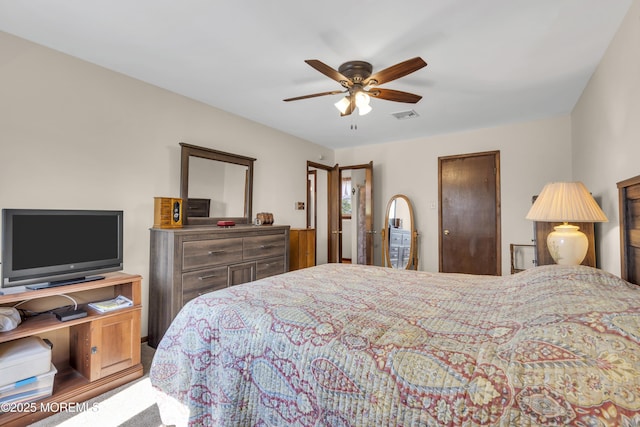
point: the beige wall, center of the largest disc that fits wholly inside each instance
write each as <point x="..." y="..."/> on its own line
<point x="74" y="135"/>
<point x="606" y="131"/>
<point x="411" y="168"/>
<point x="599" y="144"/>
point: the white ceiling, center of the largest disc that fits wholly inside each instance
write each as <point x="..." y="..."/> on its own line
<point x="490" y="62"/>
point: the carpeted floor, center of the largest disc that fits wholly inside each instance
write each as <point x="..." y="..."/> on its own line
<point x="130" y="405"/>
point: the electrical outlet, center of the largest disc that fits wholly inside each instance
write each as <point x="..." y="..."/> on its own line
<point x="299" y="206"/>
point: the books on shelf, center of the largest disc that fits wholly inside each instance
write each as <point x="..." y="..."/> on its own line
<point x="111" y="304"/>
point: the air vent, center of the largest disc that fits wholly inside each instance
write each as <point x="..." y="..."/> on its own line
<point x="404" y="115"/>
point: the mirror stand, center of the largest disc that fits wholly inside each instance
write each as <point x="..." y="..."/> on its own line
<point x="399" y="235"/>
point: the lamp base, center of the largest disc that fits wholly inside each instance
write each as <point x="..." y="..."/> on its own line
<point x="567" y="245"/>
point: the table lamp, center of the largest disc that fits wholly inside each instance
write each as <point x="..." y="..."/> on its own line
<point x="566" y="202"/>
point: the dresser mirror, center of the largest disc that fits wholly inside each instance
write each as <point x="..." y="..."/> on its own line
<point x="399" y="235"/>
<point x="215" y="186"/>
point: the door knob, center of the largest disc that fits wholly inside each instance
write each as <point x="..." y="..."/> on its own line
<point x="446" y="232"/>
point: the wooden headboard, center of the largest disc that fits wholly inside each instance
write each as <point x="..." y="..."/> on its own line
<point x="629" y="199"/>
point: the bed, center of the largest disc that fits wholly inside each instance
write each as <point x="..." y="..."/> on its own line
<point x="352" y="345"/>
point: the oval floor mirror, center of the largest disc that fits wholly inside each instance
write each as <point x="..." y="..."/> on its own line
<point x="399" y="235"/>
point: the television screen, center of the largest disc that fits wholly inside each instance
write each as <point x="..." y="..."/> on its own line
<point x="54" y="247"/>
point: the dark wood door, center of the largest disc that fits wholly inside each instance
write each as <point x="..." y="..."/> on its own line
<point x="469" y="219"/>
<point x="323" y="197"/>
<point x="335" y="227"/>
<point x="368" y="220"/>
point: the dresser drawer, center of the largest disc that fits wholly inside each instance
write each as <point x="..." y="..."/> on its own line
<point x="269" y="267"/>
<point x="394" y="252"/>
<point x="202" y="281"/>
<point x="395" y="238"/>
<point x="203" y="253"/>
<point x="406" y="239"/>
<point x="264" y="246"/>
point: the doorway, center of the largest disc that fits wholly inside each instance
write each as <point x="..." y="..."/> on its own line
<point x="340" y="208"/>
<point x="356" y="214"/>
<point x="469" y="217"/>
<point x="323" y="210"/>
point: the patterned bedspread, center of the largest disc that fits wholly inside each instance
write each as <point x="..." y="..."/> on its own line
<point x="349" y="345"/>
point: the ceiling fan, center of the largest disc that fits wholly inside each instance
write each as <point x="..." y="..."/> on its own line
<point x="359" y="84"/>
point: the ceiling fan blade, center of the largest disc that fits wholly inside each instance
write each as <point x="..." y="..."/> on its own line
<point x="351" y="107"/>
<point x="396" y="71"/>
<point x="333" y="92"/>
<point x="395" y="95"/>
<point x="328" y="71"/>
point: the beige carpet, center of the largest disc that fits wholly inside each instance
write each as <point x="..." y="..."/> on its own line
<point x="130" y="405"/>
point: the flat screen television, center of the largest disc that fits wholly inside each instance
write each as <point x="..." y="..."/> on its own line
<point x="46" y="247"/>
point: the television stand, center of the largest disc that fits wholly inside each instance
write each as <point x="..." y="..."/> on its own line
<point x="92" y="354"/>
<point x="75" y="280"/>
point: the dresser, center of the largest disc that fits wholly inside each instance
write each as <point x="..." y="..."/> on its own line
<point x="399" y="247"/>
<point x="302" y="248"/>
<point x="194" y="260"/>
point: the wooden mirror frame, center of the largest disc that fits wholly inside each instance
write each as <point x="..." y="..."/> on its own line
<point x="412" y="264"/>
<point x="188" y="151"/>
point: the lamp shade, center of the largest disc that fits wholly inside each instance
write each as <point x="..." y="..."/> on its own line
<point x="566" y="202"/>
<point x="343" y="104"/>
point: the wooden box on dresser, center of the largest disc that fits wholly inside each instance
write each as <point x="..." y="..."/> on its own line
<point x="92" y="354"/>
<point x="193" y="260"/>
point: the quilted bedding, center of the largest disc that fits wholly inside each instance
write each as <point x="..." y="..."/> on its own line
<point x="350" y="345"/>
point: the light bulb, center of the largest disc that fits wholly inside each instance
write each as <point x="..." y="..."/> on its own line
<point x="343" y="104"/>
<point x="362" y="99"/>
<point x="362" y="102"/>
<point x="364" y="109"/>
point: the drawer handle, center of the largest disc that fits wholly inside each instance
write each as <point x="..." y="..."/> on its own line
<point x="211" y="276"/>
<point x="215" y="252"/>
<point x="266" y="246"/>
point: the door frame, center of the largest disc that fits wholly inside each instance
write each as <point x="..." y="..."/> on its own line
<point x="369" y="230"/>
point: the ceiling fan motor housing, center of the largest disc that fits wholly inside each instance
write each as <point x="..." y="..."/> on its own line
<point x="356" y="71"/>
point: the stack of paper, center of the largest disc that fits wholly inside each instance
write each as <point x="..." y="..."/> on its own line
<point x="111" y="304"/>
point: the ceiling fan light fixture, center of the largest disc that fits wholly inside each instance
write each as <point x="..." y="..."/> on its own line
<point x="358" y="79"/>
<point x="364" y="109"/>
<point x="362" y="99"/>
<point x="362" y="102"/>
<point x="343" y="104"/>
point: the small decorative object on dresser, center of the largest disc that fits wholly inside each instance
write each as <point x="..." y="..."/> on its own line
<point x="265" y="218"/>
<point x="167" y="212"/>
